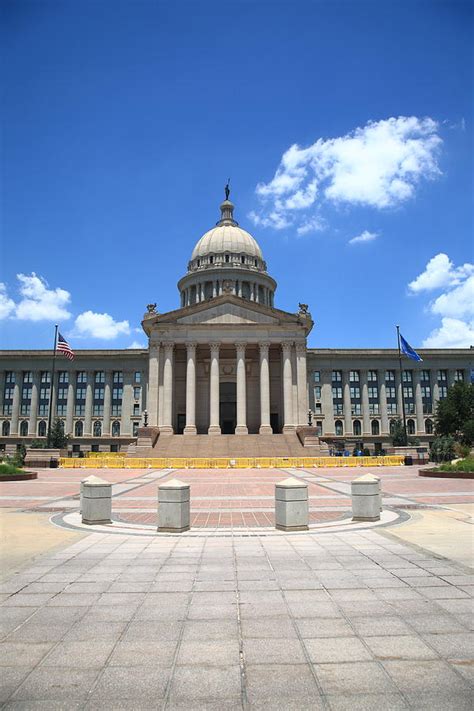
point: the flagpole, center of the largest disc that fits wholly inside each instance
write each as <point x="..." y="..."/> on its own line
<point x="51" y="392"/>
<point x="401" y="386"/>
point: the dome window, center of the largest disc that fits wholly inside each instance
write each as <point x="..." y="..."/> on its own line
<point x="255" y="262"/>
<point x="242" y="259"/>
<point x="227" y="258"/>
<point x="211" y="259"/>
<point x="199" y="262"/>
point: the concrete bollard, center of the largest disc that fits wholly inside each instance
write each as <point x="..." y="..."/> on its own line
<point x="366" y="498"/>
<point x="81" y="491"/>
<point x="291" y="505"/>
<point x="96" y="501"/>
<point x="173" y="506"/>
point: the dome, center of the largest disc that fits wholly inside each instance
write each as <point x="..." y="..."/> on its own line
<point x="227" y="238"/>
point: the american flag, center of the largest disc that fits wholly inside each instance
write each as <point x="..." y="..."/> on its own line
<point x="64" y="347"/>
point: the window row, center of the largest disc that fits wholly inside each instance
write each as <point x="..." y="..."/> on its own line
<point x="64" y="376"/>
<point x="375" y="427"/>
<point x="390" y="375"/>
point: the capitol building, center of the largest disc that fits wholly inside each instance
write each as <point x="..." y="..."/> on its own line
<point x="225" y="367"/>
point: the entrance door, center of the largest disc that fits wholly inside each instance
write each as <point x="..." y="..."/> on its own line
<point x="275" y="422"/>
<point x="228" y="407"/>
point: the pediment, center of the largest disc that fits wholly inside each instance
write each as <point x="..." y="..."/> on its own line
<point x="228" y="313"/>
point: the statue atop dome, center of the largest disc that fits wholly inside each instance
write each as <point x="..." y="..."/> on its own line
<point x="227" y="189"/>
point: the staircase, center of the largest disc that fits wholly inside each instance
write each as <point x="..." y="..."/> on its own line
<point x="197" y="446"/>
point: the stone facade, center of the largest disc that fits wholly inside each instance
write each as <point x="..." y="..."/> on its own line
<point x="226" y="362"/>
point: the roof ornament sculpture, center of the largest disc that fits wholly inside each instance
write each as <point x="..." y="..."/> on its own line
<point x="303" y="309"/>
<point x="227" y="189"/>
<point x="151" y="308"/>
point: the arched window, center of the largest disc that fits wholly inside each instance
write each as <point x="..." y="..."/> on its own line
<point x="6" y="429"/>
<point x="338" y="428"/>
<point x="411" y="427"/>
<point x="392" y="426"/>
<point x="97" y="429"/>
<point x="136" y="425"/>
<point x="429" y="426"/>
<point x="24" y="429"/>
<point x="375" y="427"/>
<point x="78" y="429"/>
<point x="42" y="429"/>
<point x="357" y="428"/>
<point x="116" y="429"/>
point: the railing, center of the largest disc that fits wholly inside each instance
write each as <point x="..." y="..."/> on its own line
<point x="119" y="461"/>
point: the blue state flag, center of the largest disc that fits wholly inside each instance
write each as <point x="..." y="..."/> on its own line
<point x="408" y="350"/>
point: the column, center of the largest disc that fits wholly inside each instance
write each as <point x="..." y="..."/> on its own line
<point x="16" y="404"/>
<point x="302" y="383"/>
<point x="127" y="397"/>
<point x="2" y="391"/>
<point x="214" y="289"/>
<point x="435" y="386"/>
<point x="34" y="405"/>
<point x="399" y="386"/>
<point x="241" y="427"/>
<point x="214" y="426"/>
<point x="190" y="389"/>
<point x="347" y="404"/>
<point x="88" y="415"/>
<point x="161" y="368"/>
<point x="384" y="429"/>
<point x="107" y="403"/>
<point x="420" y="424"/>
<point x="202" y="292"/>
<point x="366" y="429"/>
<point x="265" y="427"/>
<point x="327" y="403"/>
<point x="288" y="425"/>
<point x="70" y="403"/>
<point x="153" y="375"/>
<point x="167" y="426"/>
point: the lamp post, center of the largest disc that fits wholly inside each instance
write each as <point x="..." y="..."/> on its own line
<point x="310" y="418"/>
<point x="145" y="418"/>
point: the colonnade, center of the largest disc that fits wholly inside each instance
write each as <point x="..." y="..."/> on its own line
<point x="160" y="395"/>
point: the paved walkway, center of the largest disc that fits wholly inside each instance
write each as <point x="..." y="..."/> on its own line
<point x="336" y="621"/>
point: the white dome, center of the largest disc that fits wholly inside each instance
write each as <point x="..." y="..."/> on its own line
<point x="227" y="238"/>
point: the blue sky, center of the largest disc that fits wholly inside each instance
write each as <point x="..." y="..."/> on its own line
<point x="123" y="120"/>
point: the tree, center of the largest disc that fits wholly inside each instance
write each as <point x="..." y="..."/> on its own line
<point x="442" y="449"/>
<point x="455" y="414"/>
<point x="57" y="438"/>
<point x="399" y="438"/>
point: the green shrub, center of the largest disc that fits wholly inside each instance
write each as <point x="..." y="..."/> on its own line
<point x="442" y="449"/>
<point x="38" y="444"/>
<point x="464" y="465"/>
<point x="6" y="469"/>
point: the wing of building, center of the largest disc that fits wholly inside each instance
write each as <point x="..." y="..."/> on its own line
<point x="227" y="362"/>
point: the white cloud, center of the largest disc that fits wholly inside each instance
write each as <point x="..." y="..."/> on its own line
<point x="365" y="236"/>
<point x="313" y="224"/>
<point x="99" y="326"/>
<point x="378" y="165"/>
<point x="136" y="344"/>
<point x="39" y="302"/>
<point x="440" y="272"/>
<point x="455" y="304"/>
<point x="7" y="305"/>
<point x="453" y="333"/>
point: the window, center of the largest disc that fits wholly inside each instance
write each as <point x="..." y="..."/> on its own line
<point x="45" y="376"/>
<point x="425" y="376"/>
<point x="115" y="429"/>
<point x="97" y="429"/>
<point x="9" y="393"/>
<point x="373" y="408"/>
<point x="25" y="408"/>
<point x="7" y="408"/>
<point x="242" y="259"/>
<point x="227" y="257"/>
<point x="408" y="392"/>
<point x="318" y="409"/>
<point x="458" y="376"/>
<point x="355" y="392"/>
<point x="27" y="376"/>
<point x="356" y="408"/>
<point x="317" y="376"/>
<point x="137" y="391"/>
<point x="391" y="408"/>
<point x="338" y="428"/>
<point x="117" y="393"/>
<point x="116" y="410"/>
<point x="78" y="428"/>
<point x="390" y="391"/>
<point x="411" y="427"/>
<point x="136" y="410"/>
<point x="317" y="392"/>
<point x="375" y="427"/>
<point x="407" y="376"/>
<point x="427" y="407"/>
<point x="137" y="376"/>
<point x="99" y="394"/>
<point x="5" y="429"/>
<point x="356" y="427"/>
<point x="373" y="392"/>
<point x="354" y="376"/>
<point x="80" y="393"/>
<point x="425" y="391"/>
<point x="135" y="427"/>
<point x="338" y="409"/>
<point x="392" y="426"/>
<point x="443" y="391"/>
<point x="319" y="428"/>
<point x="98" y="409"/>
<point x="26" y="392"/>
<point x="410" y="408"/>
<point x="10" y="377"/>
<point x="81" y="376"/>
<point x="43" y="409"/>
<point x="24" y="429"/>
<point x="429" y="426"/>
<point x="337" y="376"/>
<point x="118" y="377"/>
<point x="61" y="409"/>
<point x="372" y="376"/>
<point x="63" y="377"/>
<point x="443" y="375"/>
<point x="44" y="394"/>
<point x="336" y="393"/>
<point x="62" y="393"/>
<point x="99" y="376"/>
<point x="390" y="375"/>
<point x="41" y="428"/>
<point x="79" y="410"/>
